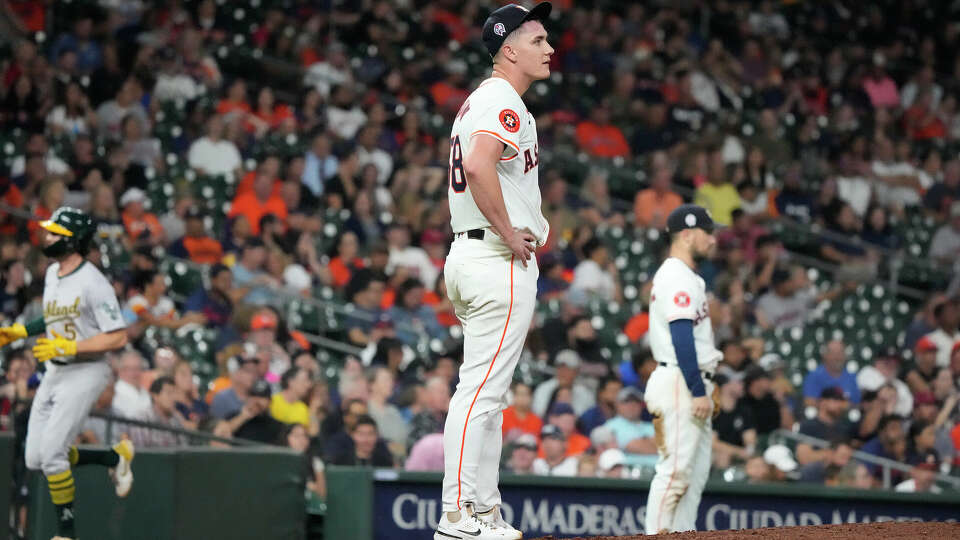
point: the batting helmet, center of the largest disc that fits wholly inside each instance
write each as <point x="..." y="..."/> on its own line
<point x="74" y="229"/>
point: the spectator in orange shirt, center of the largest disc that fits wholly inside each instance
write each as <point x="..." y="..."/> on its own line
<point x="271" y="167"/>
<point x="518" y="418"/>
<point x="346" y="262"/>
<point x="236" y="100"/>
<point x="260" y="201"/>
<point x="11" y="196"/>
<point x="652" y="205"/>
<point x="562" y="416"/>
<point x="268" y="113"/>
<point x="140" y="224"/>
<point x="196" y="244"/>
<point x="598" y="137"/>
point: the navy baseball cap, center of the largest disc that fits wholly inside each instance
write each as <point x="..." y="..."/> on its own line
<point x="689" y="216"/>
<point x="560" y="408"/>
<point x="507" y="19"/>
<point x="553" y="432"/>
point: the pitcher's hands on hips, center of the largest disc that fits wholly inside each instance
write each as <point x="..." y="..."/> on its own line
<point x="522" y="244"/>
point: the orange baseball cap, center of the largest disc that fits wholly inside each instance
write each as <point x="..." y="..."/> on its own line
<point x="264" y="319"/>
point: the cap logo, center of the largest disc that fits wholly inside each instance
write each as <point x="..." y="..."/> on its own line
<point x="690" y="220"/>
<point x="499" y="29"/>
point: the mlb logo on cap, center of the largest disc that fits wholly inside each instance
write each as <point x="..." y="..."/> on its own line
<point x="499" y="29"/>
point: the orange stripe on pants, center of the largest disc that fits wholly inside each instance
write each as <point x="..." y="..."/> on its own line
<point x="466" y="421"/>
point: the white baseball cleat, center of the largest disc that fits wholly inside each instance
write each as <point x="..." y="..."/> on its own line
<point x="494" y="518"/>
<point x="469" y="527"/>
<point x="122" y="475"/>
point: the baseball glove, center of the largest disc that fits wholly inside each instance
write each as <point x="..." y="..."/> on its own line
<point x="9" y="334"/>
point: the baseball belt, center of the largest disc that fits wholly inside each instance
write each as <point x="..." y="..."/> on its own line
<point x="705" y="374"/>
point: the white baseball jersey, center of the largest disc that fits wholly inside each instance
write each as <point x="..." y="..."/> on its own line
<point x="495" y="110"/>
<point x="80" y="304"/>
<point x="679" y="293"/>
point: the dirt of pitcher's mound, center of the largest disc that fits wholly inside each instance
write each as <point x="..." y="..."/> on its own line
<point x="879" y="531"/>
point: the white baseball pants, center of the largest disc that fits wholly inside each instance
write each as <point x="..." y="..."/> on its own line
<point x="684" y="448"/>
<point x="494" y="296"/>
<point x="63" y="401"/>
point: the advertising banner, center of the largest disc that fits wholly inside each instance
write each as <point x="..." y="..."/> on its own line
<point x="410" y="509"/>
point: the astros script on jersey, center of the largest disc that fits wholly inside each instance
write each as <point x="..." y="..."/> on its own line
<point x="495" y="109"/>
<point x="679" y="293"/>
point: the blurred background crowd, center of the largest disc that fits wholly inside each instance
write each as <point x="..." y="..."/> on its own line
<point x="268" y="179"/>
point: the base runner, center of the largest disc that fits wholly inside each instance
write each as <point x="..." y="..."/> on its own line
<point x="81" y="321"/>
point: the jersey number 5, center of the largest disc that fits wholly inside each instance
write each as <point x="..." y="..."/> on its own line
<point x="458" y="180"/>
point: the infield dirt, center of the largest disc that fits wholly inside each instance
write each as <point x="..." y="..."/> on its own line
<point x="877" y="531"/>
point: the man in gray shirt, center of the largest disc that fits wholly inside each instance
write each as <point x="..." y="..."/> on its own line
<point x="790" y="299"/>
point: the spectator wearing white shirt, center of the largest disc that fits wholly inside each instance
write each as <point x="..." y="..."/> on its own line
<point x="214" y="155"/>
<point x="414" y="259"/>
<point x="923" y="477"/>
<point x="596" y="276"/>
<point x="368" y="152"/>
<point x="555" y="461"/>
<point x="946" y="334"/>
<point x="334" y="71"/>
<point x="344" y="116"/>
<point x="162" y="411"/>
<point x="130" y="400"/>
<point x="886" y="366"/>
<point x="945" y="245"/>
<point x="37" y="146"/>
<point x="74" y="117"/>
<point x="173" y="83"/>
<point x="568" y="366"/>
<point x="923" y="80"/>
<point x="127" y="101"/>
<point x="899" y="182"/>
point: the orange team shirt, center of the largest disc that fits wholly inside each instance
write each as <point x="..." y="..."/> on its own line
<point x="342" y="273"/>
<point x="203" y="250"/>
<point x="446" y="318"/>
<point x="602" y="141"/>
<point x="250" y="206"/>
<point x="531" y="423"/>
<point x="226" y="106"/>
<point x="576" y="445"/>
<point x="218" y="385"/>
<point x="246" y="183"/>
<point x="637" y="326"/>
<point x="274" y="117"/>
<point x="147" y="222"/>
<point x="651" y="209"/>
<point x="955" y="435"/>
<point x="14" y="199"/>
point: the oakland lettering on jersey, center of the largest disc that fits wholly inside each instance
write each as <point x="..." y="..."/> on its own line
<point x="52" y="309"/>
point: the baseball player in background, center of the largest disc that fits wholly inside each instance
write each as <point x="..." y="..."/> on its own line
<point x="680" y="388"/>
<point x="81" y="321"/>
<point x="491" y="274"/>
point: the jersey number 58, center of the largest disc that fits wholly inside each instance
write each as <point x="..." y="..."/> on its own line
<point x="458" y="180"/>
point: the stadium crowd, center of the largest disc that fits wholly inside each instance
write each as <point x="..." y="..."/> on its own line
<point x="840" y="118"/>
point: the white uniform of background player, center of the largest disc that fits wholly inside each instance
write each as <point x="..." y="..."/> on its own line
<point x="490" y="273"/>
<point x="683" y="423"/>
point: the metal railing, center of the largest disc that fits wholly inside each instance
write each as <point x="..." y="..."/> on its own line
<point x="115" y="422"/>
<point x="886" y="465"/>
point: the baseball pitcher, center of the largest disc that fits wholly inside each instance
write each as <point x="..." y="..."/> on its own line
<point x="491" y="274"/>
<point x="680" y="388"/>
<point x="81" y="321"/>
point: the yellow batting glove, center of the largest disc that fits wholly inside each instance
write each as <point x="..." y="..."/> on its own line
<point x="9" y="334"/>
<point x="59" y="346"/>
